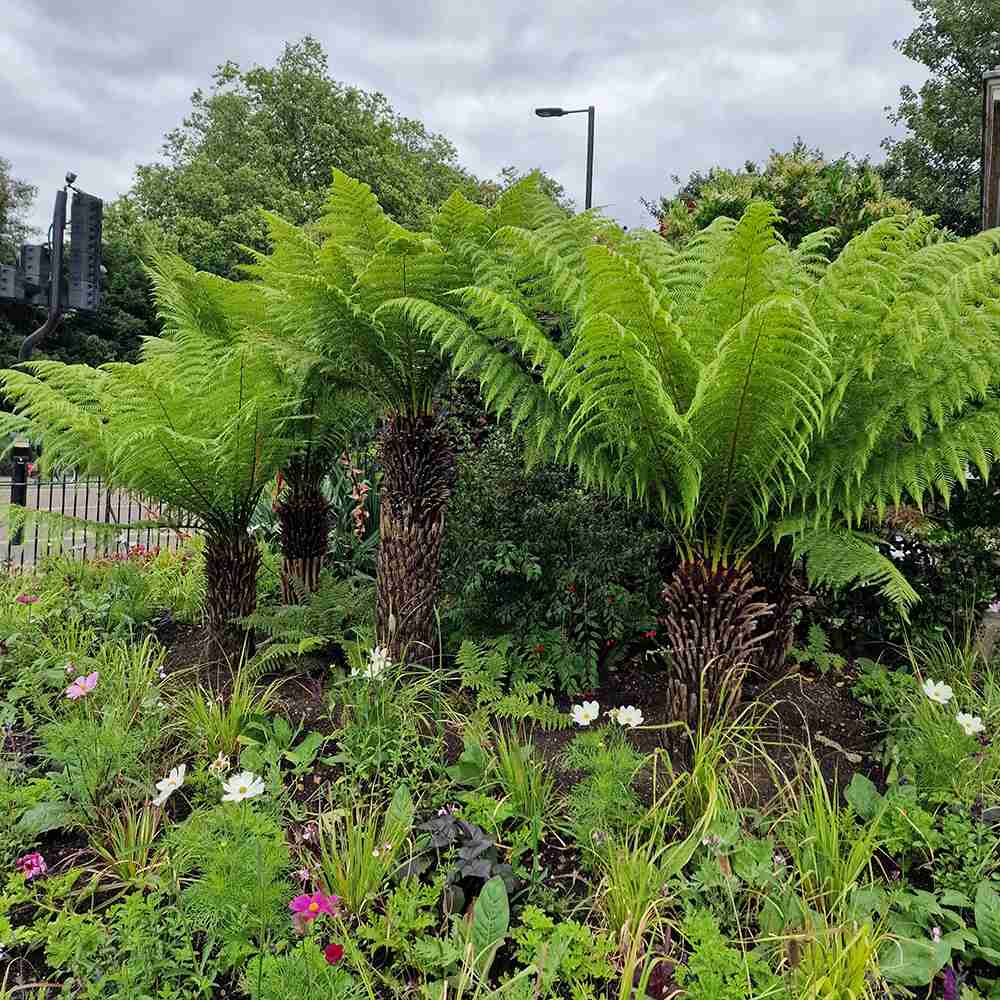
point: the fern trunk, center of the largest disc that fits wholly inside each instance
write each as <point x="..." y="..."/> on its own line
<point x="231" y="566"/>
<point x="712" y="618"/>
<point x="785" y="591"/>
<point x="418" y="467"/>
<point x="304" y="528"/>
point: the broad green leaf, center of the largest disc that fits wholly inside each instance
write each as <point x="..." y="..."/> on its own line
<point x="911" y="962"/>
<point x="44" y="817"/>
<point x="490" y="920"/>
<point x="987" y="910"/>
<point x="863" y="796"/>
<point x="399" y="815"/>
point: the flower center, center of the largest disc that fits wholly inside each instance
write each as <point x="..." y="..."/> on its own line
<point x="314" y="907"/>
<point x="243" y="789"/>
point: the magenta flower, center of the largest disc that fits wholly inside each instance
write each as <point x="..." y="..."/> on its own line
<point x="31" y="865"/>
<point x="26" y="599"/>
<point x="310" y="905"/>
<point x="82" y="686"/>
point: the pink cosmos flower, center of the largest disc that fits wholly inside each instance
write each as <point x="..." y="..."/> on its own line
<point x="26" y="599"/>
<point x="31" y="865"/>
<point x="82" y="686"/>
<point x="310" y="905"/>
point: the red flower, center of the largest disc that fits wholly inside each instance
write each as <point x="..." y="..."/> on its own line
<point x="651" y="634"/>
<point x="572" y="588"/>
<point x="540" y="648"/>
<point x="333" y="953"/>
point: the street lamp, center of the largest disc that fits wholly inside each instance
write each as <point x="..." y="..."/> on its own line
<point x="558" y="113"/>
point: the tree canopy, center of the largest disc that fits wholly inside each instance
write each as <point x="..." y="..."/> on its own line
<point x="270" y="137"/>
<point x="809" y="191"/>
<point x="16" y="197"/>
<point x="936" y="163"/>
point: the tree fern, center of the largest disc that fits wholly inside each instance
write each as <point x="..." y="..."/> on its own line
<point x="330" y="293"/>
<point x="200" y="424"/>
<point x="735" y="382"/>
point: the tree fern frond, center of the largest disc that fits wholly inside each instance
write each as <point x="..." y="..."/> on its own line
<point x="617" y="287"/>
<point x="742" y="278"/>
<point x="840" y="559"/>
<point x="525" y="206"/>
<point x="354" y="219"/>
<point x="761" y="406"/>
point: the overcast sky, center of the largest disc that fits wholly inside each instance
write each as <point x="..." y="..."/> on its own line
<point x="678" y="85"/>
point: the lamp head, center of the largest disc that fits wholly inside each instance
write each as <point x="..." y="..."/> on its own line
<point x="549" y="112"/>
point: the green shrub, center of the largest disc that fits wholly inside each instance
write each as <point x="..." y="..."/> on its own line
<point x="302" y="972"/>
<point x="603" y="804"/>
<point x="527" y="551"/>
<point x="235" y="861"/>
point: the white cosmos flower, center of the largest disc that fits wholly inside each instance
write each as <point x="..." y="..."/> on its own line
<point x="245" y="785"/>
<point x="628" y="716"/>
<point x="971" y="725"/>
<point x="168" y="785"/>
<point x="585" y="714"/>
<point x="938" y="691"/>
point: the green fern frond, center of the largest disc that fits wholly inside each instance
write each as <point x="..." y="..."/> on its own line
<point x="840" y="559"/>
<point x="353" y="218"/>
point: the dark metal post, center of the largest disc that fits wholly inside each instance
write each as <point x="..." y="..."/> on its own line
<point x="55" y="280"/>
<point x="589" y="201"/>
<point x="989" y="172"/>
<point x="21" y="453"/>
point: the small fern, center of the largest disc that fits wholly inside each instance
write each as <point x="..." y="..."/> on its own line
<point x="337" y="613"/>
<point x="486" y="666"/>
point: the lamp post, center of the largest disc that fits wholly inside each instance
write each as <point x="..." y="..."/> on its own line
<point x="589" y="111"/>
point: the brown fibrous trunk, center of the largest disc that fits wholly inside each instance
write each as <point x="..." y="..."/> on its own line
<point x="418" y="465"/>
<point x="304" y="529"/>
<point x="231" y="566"/>
<point x="712" y="621"/>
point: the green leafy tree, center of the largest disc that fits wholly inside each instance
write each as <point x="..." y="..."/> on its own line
<point x="16" y="199"/>
<point x="809" y="192"/>
<point x="936" y="163"/>
<point x="269" y="137"/>
<point x="333" y="299"/>
<point x="753" y="393"/>
<point x="200" y="424"/>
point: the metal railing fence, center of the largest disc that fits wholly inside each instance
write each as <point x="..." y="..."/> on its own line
<point x="87" y="499"/>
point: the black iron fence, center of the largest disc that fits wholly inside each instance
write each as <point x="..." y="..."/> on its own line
<point x="85" y="499"/>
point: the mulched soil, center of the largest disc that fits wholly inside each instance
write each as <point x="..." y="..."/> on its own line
<point x="800" y="710"/>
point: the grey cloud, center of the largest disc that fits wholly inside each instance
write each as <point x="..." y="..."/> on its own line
<point x="678" y="86"/>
